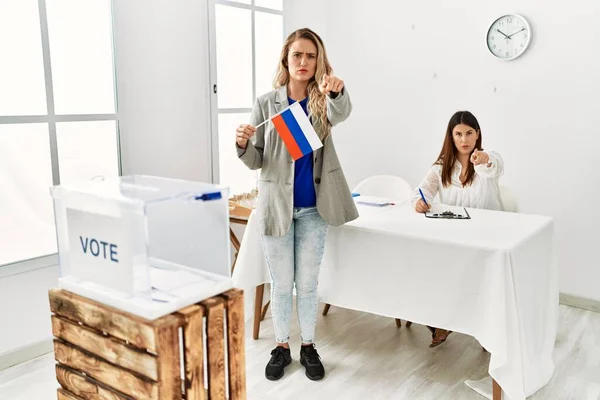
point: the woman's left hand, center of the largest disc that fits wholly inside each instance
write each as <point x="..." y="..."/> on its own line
<point x="330" y="83"/>
<point x="479" y="157"/>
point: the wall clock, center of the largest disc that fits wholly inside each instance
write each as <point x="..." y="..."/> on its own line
<point x="508" y="37"/>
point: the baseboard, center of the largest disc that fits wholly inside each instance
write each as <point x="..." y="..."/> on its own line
<point x="579" y="302"/>
<point x="26" y="266"/>
<point x="25" y="353"/>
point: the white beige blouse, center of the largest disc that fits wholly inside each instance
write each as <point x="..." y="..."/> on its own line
<point x="483" y="192"/>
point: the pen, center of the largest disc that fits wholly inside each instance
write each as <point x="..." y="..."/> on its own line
<point x="423" y="197"/>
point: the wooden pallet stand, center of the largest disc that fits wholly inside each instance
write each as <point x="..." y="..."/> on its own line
<point x="106" y="354"/>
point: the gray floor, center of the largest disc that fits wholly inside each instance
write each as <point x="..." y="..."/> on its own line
<point x="367" y="357"/>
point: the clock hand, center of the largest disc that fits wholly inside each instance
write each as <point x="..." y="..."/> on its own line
<point x="512" y="34"/>
<point x="508" y="37"/>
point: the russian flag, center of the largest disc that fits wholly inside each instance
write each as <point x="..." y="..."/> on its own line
<point x="296" y="131"/>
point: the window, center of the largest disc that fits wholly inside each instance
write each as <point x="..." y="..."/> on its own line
<point x="58" y="118"/>
<point x="246" y="39"/>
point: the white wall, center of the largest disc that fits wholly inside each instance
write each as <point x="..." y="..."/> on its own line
<point x="410" y="65"/>
<point x="25" y="314"/>
<point x="163" y="87"/>
<point x="306" y="14"/>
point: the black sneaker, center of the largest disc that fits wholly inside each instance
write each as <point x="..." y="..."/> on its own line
<point x="280" y="358"/>
<point x="312" y="362"/>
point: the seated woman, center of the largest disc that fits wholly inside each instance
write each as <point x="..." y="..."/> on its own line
<point x="464" y="175"/>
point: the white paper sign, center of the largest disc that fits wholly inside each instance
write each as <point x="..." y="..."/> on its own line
<point x="99" y="250"/>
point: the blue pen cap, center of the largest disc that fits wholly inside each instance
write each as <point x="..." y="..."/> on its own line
<point x="209" y="196"/>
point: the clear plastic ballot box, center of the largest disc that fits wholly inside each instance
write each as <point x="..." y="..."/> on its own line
<point x="143" y="244"/>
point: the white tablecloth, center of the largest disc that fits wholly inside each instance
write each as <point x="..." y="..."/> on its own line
<point x="492" y="277"/>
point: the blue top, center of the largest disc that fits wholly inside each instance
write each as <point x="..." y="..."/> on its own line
<point x="304" y="187"/>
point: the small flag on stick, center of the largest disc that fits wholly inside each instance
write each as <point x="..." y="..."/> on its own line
<point x="296" y="131"/>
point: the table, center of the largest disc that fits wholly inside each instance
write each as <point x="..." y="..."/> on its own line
<point x="240" y="215"/>
<point x="493" y="277"/>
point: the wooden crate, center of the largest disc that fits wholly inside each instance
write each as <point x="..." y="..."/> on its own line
<point x="107" y="354"/>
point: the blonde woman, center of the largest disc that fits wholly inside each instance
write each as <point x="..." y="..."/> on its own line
<point x="298" y="200"/>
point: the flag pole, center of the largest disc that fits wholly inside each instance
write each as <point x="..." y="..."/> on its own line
<point x="270" y="118"/>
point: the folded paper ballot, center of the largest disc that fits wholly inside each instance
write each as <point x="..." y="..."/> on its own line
<point x="168" y="280"/>
<point x="162" y="297"/>
<point x="374" y="201"/>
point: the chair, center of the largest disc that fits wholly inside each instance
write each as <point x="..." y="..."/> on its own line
<point x="387" y="186"/>
<point x="509" y="199"/>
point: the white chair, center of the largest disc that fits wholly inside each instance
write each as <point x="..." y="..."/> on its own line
<point x="387" y="186"/>
<point x="509" y="199"/>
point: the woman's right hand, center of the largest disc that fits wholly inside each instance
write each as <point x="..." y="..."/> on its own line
<point x="243" y="134"/>
<point x="421" y="207"/>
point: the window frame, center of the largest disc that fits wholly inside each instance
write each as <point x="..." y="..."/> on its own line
<point x="51" y="118"/>
<point x="214" y="108"/>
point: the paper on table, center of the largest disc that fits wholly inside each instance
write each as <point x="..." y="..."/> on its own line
<point x="374" y="201"/>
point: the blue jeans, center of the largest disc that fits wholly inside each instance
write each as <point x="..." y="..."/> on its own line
<point x="296" y="258"/>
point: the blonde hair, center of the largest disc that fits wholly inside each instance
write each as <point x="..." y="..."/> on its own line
<point x="317" y="103"/>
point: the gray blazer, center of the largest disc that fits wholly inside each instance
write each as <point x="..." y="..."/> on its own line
<point x="267" y="151"/>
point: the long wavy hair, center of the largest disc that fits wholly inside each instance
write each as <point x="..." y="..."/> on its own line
<point x="447" y="157"/>
<point x="317" y="103"/>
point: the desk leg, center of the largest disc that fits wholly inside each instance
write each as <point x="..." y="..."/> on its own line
<point x="236" y="245"/>
<point x="234" y="240"/>
<point x="264" y="311"/>
<point x="497" y="390"/>
<point x="260" y="290"/>
<point x="233" y="264"/>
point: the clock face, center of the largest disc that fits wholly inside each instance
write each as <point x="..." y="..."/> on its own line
<point x="508" y="37"/>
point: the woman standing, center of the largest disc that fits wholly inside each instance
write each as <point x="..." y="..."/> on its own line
<point x="299" y="199"/>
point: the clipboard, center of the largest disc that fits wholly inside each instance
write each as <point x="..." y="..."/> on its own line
<point x="440" y="211"/>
